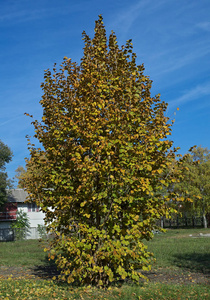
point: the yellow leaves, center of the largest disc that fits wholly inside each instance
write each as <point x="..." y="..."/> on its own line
<point x="149" y="167"/>
<point x="136" y="218"/>
<point x="121" y="271"/>
<point x="104" y="138"/>
<point x="87" y="215"/>
<point x="143" y="188"/>
<point x="135" y="276"/>
<point x="56" y="181"/>
<point x="144" y="268"/>
<point x="83" y="203"/>
<point x="189" y="200"/>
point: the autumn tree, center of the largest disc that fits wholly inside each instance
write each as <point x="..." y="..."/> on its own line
<point x="27" y="174"/>
<point x="195" y="183"/>
<point x="102" y="165"/>
<point x="5" y="157"/>
<point x="20" y="175"/>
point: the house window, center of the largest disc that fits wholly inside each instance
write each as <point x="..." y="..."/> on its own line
<point x="32" y="207"/>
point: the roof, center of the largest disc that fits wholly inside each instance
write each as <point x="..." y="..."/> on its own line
<point x="17" y="195"/>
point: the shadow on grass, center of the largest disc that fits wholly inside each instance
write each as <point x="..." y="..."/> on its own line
<point x="194" y="262"/>
<point x="47" y="270"/>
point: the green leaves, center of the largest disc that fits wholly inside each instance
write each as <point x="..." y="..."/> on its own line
<point x="5" y="157"/>
<point x="104" y="161"/>
<point x="194" y="185"/>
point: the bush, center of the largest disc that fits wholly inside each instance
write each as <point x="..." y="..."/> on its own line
<point x="21" y="225"/>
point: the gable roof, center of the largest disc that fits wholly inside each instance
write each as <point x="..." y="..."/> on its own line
<point x="17" y="195"/>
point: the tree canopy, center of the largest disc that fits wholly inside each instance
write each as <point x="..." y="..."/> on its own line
<point x="195" y="183"/>
<point x="20" y="175"/>
<point x="5" y="157"/>
<point x="104" y="161"/>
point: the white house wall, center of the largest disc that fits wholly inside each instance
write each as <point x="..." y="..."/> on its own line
<point x="22" y="207"/>
<point x="35" y="217"/>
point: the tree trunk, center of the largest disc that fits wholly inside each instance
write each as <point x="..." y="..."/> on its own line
<point x="204" y="218"/>
<point x="161" y="222"/>
<point x="204" y="221"/>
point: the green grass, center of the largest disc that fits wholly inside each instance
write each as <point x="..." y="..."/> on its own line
<point x="179" y="233"/>
<point x="29" y="289"/>
<point x="175" y="252"/>
<point x="21" y="253"/>
<point x="176" y="249"/>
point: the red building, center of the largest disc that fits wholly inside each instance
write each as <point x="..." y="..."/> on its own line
<point x="9" y="211"/>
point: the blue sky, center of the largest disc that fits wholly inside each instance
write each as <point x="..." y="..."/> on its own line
<point x="171" y="38"/>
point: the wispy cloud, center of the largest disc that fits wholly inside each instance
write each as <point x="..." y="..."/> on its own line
<point x="204" y="25"/>
<point x="128" y="15"/>
<point x="18" y="14"/>
<point x="22" y="16"/>
<point x="175" y="59"/>
<point x="11" y="120"/>
<point x="196" y="93"/>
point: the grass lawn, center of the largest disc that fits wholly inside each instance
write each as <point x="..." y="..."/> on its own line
<point x="177" y="249"/>
<point x="29" y="289"/>
<point x="21" y="253"/>
<point x="181" y="263"/>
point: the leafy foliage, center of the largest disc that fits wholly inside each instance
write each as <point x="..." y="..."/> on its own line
<point x="195" y="183"/>
<point x="42" y="231"/>
<point x="5" y="157"/>
<point x="21" y="225"/>
<point x="104" y="163"/>
<point x="20" y="175"/>
<point x="182" y="262"/>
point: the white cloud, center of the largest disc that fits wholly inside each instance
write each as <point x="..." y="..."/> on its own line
<point x="11" y="120"/>
<point x="179" y="58"/>
<point x="204" y="25"/>
<point x="196" y="93"/>
<point x="22" y="15"/>
<point x="128" y="15"/>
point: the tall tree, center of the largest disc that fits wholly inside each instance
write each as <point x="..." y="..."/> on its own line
<point x="195" y="183"/>
<point x="20" y="175"/>
<point x="100" y="173"/>
<point x="5" y="157"/>
<point x="27" y="174"/>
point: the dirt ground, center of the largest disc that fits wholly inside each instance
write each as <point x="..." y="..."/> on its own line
<point x="160" y="275"/>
